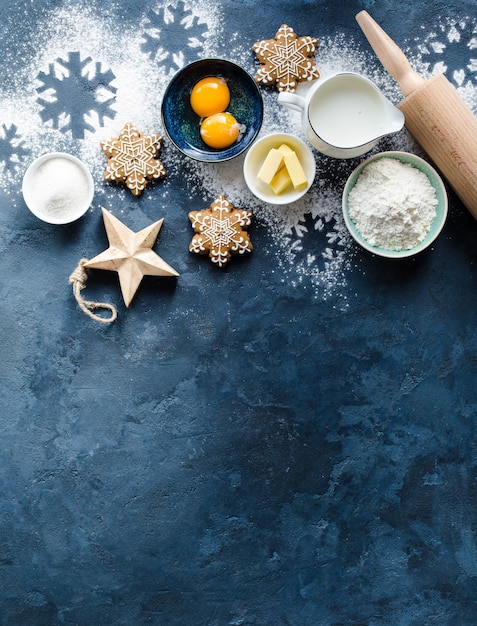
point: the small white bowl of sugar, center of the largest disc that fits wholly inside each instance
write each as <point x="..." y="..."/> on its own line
<point x="58" y="188"/>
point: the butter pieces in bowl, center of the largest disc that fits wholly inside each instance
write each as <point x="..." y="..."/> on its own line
<point x="279" y="168"/>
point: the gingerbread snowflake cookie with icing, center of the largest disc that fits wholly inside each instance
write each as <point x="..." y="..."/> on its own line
<point x="220" y="231"/>
<point x="286" y="60"/>
<point x="132" y="158"/>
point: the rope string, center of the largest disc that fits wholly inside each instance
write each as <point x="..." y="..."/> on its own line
<point x="78" y="279"/>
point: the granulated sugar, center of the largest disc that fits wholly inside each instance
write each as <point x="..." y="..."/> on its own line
<point x="308" y="240"/>
<point x="57" y="188"/>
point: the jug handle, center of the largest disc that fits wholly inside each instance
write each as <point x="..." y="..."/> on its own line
<point x="291" y="100"/>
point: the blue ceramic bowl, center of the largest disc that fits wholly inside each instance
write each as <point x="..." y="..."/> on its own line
<point x="182" y="125"/>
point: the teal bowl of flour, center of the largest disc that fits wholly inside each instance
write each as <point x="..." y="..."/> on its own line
<point x="58" y="188"/>
<point x="395" y="204"/>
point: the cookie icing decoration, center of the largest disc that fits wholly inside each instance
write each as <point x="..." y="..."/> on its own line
<point x="220" y="231"/>
<point x="130" y="255"/>
<point x="133" y="158"/>
<point x="286" y="60"/>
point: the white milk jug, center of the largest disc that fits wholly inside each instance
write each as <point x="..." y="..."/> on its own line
<point x="344" y="115"/>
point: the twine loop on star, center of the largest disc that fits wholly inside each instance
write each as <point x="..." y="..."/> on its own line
<point x="78" y="279"/>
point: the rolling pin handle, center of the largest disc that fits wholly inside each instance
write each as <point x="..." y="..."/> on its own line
<point x="390" y="55"/>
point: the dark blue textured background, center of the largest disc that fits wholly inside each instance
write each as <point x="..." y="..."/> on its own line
<point x="234" y="449"/>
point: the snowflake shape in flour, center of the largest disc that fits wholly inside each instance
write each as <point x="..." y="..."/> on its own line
<point x="447" y="49"/>
<point x="12" y="151"/>
<point x="168" y="36"/>
<point x="314" y="248"/>
<point x="132" y="158"/>
<point x="220" y="231"/>
<point x="311" y="225"/>
<point x="74" y="91"/>
<point x="286" y="60"/>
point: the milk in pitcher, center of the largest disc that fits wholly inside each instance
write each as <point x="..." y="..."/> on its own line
<point x="346" y="112"/>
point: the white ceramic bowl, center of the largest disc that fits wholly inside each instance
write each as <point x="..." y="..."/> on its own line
<point x="256" y="156"/>
<point x="58" y="188"/>
<point x="441" y="208"/>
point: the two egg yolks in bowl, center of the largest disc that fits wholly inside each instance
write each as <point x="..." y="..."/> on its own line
<point x="209" y="99"/>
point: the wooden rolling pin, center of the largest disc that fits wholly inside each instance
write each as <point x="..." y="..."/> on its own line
<point x="434" y="114"/>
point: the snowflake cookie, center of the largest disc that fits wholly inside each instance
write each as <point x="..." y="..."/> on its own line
<point x="286" y="60"/>
<point x="133" y="158"/>
<point x="220" y="231"/>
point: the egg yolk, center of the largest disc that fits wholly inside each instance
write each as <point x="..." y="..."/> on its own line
<point x="209" y="96"/>
<point x="220" y="130"/>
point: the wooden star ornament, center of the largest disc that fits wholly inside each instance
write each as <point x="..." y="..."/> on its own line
<point x="130" y="255"/>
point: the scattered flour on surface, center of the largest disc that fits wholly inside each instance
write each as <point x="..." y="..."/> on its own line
<point x="392" y="204"/>
<point x="450" y="38"/>
<point x="309" y="242"/>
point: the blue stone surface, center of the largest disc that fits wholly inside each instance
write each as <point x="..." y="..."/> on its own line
<point x="288" y="442"/>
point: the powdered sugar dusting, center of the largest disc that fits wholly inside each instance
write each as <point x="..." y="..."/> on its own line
<point x="308" y="241"/>
<point x="138" y="86"/>
<point x="450" y="48"/>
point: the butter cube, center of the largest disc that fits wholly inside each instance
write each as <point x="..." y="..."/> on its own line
<point x="270" y="166"/>
<point x="297" y="174"/>
<point x="280" y="181"/>
<point x="285" y="149"/>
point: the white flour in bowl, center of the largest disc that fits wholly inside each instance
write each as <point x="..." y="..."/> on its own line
<point x="392" y="204"/>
